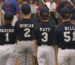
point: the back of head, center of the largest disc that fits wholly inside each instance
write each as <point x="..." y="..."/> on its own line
<point x="65" y="13"/>
<point x="8" y="16"/>
<point x="25" y="9"/>
<point x="44" y="13"/>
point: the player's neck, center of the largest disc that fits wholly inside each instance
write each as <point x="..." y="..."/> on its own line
<point x="73" y="21"/>
<point x="44" y="20"/>
<point x="65" y="20"/>
<point x="27" y="16"/>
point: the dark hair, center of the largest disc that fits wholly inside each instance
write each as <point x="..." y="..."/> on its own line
<point x="65" y="13"/>
<point x="44" y="18"/>
<point x="25" y="9"/>
<point x="67" y="16"/>
<point x="44" y="13"/>
<point x="8" y="16"/>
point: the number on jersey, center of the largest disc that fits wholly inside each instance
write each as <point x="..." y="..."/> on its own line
<point x="7" y="37"/>
<point x="68" y="37"/>
<point x="27" y="32"/>
<point x="45" y="37"/>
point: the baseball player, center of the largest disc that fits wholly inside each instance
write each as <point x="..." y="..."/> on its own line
<point x="44" y="39"/>
<point x="64" y="37"/>
<point x="7" y="41"/>
<point x="24" y="32"/>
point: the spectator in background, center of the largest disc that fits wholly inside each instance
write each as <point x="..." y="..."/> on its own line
<point x="24" y="1"/>
<point x="48" y="4"/>
<point x="1" y="14"/>
<point x="51" y="4"/>
<point x="58" y="2"/>
<point x="13" y="7"/>
<point x="32" y="8"/>
<point x="1" y="11"/>
<point x="36" y="8"/>
<point x="73" y="1"/>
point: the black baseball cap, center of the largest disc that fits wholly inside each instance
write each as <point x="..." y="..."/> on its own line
<point x="62" y="5"/>
<point x="64" y="12"/>
<point x="25" y="8"/>
<point x="73" y="10"/>
<point x="8" y="15"/>
<point x="73" y="17"/>
<point x="73" y="13"/>
<point x="44" y="12"/>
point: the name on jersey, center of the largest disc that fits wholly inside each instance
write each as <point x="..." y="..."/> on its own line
<point x="6" y="30"/>
<point x="26" y="25"/>
<point x="70" y="28"/>
<point x="45" y="29"/>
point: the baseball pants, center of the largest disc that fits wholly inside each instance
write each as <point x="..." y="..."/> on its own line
<point x="25" y="52"/>
<point x="7" y="54"/>
<point x="46" y="55"/>
<point x="66" y="56"/>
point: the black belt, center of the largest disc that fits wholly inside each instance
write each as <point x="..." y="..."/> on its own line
<point x="45" y="44"/>
<point x="67" y="48"/>
<point x="9" y="43"/>
<point x="25" y="40"/>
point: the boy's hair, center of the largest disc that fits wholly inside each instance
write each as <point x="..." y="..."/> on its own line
<point x="65" y="13"/>
<point x="25" y="9"/>
<point x="44" y="13"/>
<point x="8" y="16"/>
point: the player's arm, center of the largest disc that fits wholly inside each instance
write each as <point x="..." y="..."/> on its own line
<point x="16" y="31"/>
<point x="55" y="41"/>
<point x="35" y="33"/>
<point x="35" y="62"/>
<point x="35" y="47"/>
<point x="56" y="52"/>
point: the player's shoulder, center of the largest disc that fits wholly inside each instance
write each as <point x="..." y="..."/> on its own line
<point x="73" y="25"/>
<point x="47" y="24"/>
<point x="58" y="28"/>
<point x="2" y="26"/>
<point x="61" y="26"/>
<point x="36" y="25"/>
<point x="12" y="27"/>
<point x="34" y="21"/>
<point x="18" y="22"/>
<point x="51" y="25"/>
<point x="24" y="20"/>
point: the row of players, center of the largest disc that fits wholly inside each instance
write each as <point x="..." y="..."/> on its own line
<point x="37" y="39"/>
